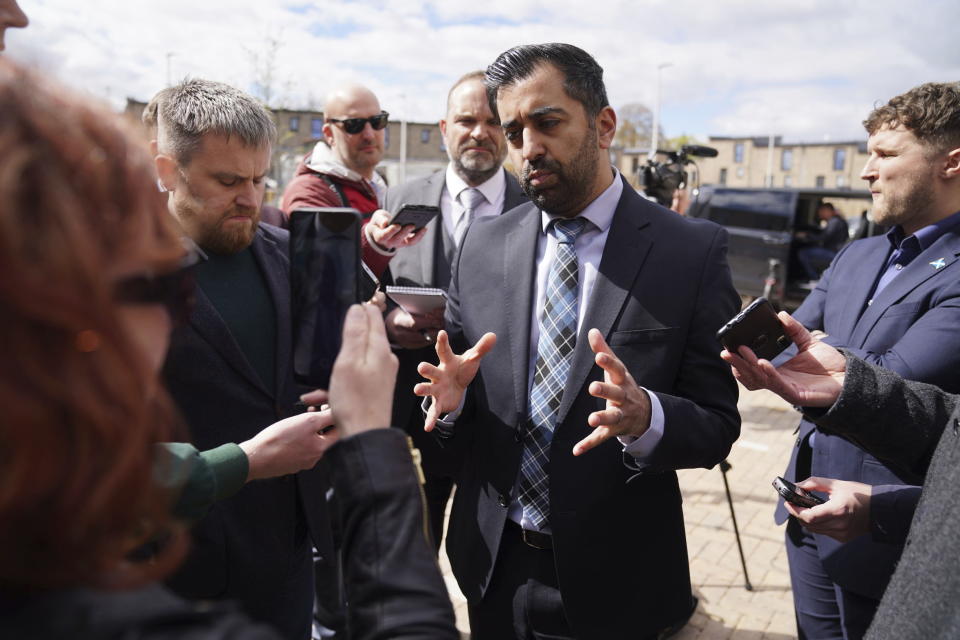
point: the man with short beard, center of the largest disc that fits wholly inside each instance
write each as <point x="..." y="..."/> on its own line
<point x="605" y="377"/>
<point x="474" y="185"/>
<point x="229" y="368"/>
<point x="894" y="301"/>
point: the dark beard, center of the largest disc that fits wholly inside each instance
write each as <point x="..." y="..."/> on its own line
<point x="474" y="177"/>
<point x="565" y="199"/>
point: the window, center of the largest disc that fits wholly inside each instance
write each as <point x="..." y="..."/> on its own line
<point x="841" y="182"/>
<point x="821" y="183"/>
<point x="788" y="181"/>
<point x="316" y="127"/>
<point x="386" y="138"/>
<point x="839" y="159"/>
<point x="723" y="176"/>
<point x="294" y="123"/>
<point x="786" y="159"/>
<point x="738" y="152"/>
<point x="740" y="172"/>
<point x="425" y="136"/>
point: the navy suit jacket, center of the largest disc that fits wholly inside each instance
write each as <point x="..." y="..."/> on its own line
<point x="662" y="291"/>
<point x="253" y="547"/>
<point x="913" y="328"/>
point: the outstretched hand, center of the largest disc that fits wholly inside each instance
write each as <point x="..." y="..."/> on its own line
<point x="364" y="373"/>
<point x="812" y="378"/>
<point x="845" y="516"/>
<point x="628" y="406"/>
<point x="449" y="379"/>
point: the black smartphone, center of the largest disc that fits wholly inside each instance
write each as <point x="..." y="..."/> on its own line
<point x="416" y="214"/>
<point x="794" y="494"/>
<point x="324" y="281"/>
<point x="369" y="283"/>
<point x="757" y="327"/>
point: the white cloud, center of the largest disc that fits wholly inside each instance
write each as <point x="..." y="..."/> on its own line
<point x="739" y="67"/>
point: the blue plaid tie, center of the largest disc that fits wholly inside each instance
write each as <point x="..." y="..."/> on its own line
<point x="558" y="335"/>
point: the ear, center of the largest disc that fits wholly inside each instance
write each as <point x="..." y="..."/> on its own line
<point x="153" y="147"/>
<point x="951" y="168"/>
<point x="443" y="127"/>
<point x="328" y="133"/>
<point x="167" y="171"/>
<point x="606" y="123"/>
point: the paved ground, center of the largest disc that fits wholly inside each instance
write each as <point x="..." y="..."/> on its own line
<point x="727" y="610"/>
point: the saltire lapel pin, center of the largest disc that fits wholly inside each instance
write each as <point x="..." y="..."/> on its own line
<point x="938" y="264"/>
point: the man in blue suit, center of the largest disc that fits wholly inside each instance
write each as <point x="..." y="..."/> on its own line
<point x="604" y="308"/>
<point x="894" y="301"/>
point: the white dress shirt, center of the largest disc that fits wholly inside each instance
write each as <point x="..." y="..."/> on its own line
<point x="451" y="210"/>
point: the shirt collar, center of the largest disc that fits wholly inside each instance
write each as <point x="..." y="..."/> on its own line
<point x="600" y="211"/>
<point x="923" y="237"/>
<point x="490" y="188"/>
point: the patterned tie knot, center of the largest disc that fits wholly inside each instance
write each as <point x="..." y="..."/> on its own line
<point x="568" y="229"/>
<point x="471" y="198"/>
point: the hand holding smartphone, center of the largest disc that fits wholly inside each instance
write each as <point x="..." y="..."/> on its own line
<point x="794" y="494"/>
<point x="417" y="215"/>
<point x="757" y="327"/>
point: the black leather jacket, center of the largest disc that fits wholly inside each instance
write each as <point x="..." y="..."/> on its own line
<point x="393" y="584"/>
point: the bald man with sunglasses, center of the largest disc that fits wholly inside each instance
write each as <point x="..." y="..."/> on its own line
<point x="341" y="172"/>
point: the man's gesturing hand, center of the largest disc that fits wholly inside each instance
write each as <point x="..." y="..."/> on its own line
<point x="812" y="378"/>
<point x="628" y="406"/>
<point x="449" y="379"/>
<point x="364" y="374"/>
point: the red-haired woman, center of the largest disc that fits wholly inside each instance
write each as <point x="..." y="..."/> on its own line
<point x="93" y="273"/>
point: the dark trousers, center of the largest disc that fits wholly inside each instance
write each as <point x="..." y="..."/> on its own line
<point x="436" y="493"/>
<point x="523" y="600"/>
<point x="824" y="609"/>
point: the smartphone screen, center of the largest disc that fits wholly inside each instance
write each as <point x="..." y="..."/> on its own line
<point x="324" y="282"/>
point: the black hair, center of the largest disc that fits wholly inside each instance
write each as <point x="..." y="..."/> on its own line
<point x="583" y="77"/>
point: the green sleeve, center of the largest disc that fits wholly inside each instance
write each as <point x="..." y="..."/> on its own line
<point x="202" y="477"/>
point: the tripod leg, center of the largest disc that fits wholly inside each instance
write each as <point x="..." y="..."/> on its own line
<point x="724" y="466"/>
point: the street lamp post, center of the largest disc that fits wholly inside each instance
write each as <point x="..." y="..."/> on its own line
<point x="655" y="135"/>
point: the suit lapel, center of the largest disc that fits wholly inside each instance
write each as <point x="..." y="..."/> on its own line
<point x="274" y="266"/>
<point x="946" y="248"/>
<point x="855" y="285"/>
<point x="210" y="326"/>
<point x="519" y="266"/>
<point x="623" y="255"/>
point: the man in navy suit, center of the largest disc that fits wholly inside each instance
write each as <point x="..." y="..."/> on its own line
<point x="894" y="301"/>
<point x="475" y="176"/>
<point x="229" y="368"/>
<point x="604" y="308"/>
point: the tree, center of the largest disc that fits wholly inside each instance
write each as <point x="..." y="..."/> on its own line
<point x="636" y="126"/>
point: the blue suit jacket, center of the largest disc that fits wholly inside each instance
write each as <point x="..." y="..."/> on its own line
<point x="912" y="327"/>
<point x="662" y="291"/>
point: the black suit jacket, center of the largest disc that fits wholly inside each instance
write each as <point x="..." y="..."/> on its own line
<point x="662" y="291"/>
<point x="253" y="547"/>
<point x="426" y="264"/>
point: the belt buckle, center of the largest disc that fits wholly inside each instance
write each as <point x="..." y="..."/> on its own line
<point x="536" y="539"/>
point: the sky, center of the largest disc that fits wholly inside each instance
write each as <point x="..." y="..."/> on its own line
<point x="807" y="70"/>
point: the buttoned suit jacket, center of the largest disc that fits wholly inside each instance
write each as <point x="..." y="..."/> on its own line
<point x="426" y="264"/>
<point x="252" y="547"/>
<point x="662" y="291"/>
<point x="911" y="328"/>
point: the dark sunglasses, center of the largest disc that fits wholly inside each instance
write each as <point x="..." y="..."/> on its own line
<point x="173" y="289"/>
<point x="356" y="125"/>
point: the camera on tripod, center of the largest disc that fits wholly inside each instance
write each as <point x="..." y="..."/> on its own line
<point x="660" y="179"/>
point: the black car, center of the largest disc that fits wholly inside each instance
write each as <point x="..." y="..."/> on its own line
<point x="766" y="228"/>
